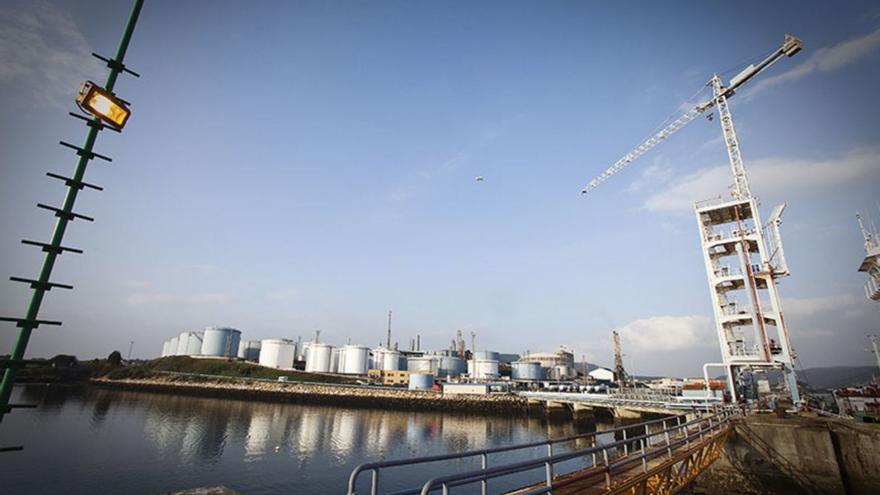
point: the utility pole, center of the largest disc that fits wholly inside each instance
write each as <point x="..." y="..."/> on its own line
<point x="130" y="346"/>
<point x="65" y="214"/>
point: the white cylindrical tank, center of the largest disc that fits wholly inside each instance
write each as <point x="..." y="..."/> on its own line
<point x="423" y="364"/>
<point x="354" y="360"/>
<point x="485" y="368"/>
<point x="164" y="349"/>
<point x="304" y="351"/>
<point x="221" y="342"/>
<point x="451" y="366"/>
<point x="193" y="343"/>
<point x="277" y="353"/>
<point x="527" y="370"/>
<point x="172" y="346"/>
<point x="386" y="359"/>
<point x="249" y="350"/>
<point x="421" y="381"/>
<point x="562" y="372"/>
<point x="319" y="358"/>
<point x="182" y="344"/>
<point x="336" y="360"/>
<point x="487" y="355"/>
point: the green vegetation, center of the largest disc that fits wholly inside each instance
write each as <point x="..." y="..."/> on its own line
<point x="64" y="368"/>
<point x="216" y="367"/>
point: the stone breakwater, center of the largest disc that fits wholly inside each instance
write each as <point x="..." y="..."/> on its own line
<point x="308" y="393"/>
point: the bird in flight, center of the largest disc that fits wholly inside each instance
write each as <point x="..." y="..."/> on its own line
<point x="478" y="178"/>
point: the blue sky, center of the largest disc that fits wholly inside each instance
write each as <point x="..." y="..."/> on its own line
<point x="299" y="165"/>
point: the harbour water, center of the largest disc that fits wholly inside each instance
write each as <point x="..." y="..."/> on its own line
<point x="89" y="440"/>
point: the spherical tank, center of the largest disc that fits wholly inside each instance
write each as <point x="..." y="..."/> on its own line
<point x="276" y="353"/>
<point x="319" y="357"/>
<point x="423" y="364"/>
<point x="220" y="342"/>
<point x="421" y="381"/>
<point x="527" y="370"/>
<point x="249" y="350"/>
<point x="354" y="360"/>
<point x="485" y="368"/>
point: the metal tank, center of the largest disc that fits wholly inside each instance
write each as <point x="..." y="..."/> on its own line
<point x="182" y="343"/>
<point x="172" y="346"/>
<point x="387" y="359"/>
<point x="487" y="355"/>
<point x="336" y="359"/>
<point x="220" y="342"/>
<point x="451" y="366"/>
<point x="249" y="350"/>
<point x="276" y="353"/>
<point x="165" y="348"/>
<point x="562" y="372"/>
<point x="319" y="358"/>
<point x="354" y="360"/>
<point x="527" y="370"/>
<point x="485" y="368"/>
<point x="421" y="381"/>
<point x="193" y="343"/>
<point x="303" y="351"/>
<point x="423" y="364"/>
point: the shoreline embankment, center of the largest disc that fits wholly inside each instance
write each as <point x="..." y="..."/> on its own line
<point x="319" y="394"/>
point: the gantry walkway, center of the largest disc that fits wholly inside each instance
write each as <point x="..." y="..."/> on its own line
<point x="625" y="405"/>
<point x="653" y="457"/>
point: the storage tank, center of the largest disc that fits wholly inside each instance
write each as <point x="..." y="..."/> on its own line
<point x="172" y="346"/>
<point x="421" y="381"/>
<point x="387" y="359"/>
<point x="423" y="364"/>
<point x="182" y="344"/>
<point x="220" y="342"/>
<point x="527" y="370"/>
<point x="487" y="355"/>
<point x="276" y="353"/>
<point x="319" y="358"/>
<point x="354" y="360"/>
<point x="164" y="349"/>
<point x="190" y="343"/>
<point x="336" y="360"/>
<point x="485" y="368"/>
<point x="562" y="372"/>
<point x="451" y="366"/>
<point x="249" y="350"/>
<point x="303" y="351"/>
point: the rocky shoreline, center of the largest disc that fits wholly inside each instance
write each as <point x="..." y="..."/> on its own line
<point x="310" y="393"/>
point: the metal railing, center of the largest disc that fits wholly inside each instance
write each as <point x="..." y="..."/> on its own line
<point x="612" y="459"/>
<point x="485" y="473"/>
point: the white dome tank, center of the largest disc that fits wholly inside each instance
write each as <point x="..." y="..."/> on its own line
<point x="354" y="360"/>
<point x="319" y="358"/>
<point x="277" y="353"/>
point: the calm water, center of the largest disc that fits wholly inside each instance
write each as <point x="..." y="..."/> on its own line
<point x="103" y="441"/>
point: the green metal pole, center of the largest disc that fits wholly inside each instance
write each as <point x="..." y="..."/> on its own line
<point x="33" y="310"/>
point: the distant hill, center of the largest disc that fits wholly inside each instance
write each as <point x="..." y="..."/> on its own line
<point x="837" y="376"/>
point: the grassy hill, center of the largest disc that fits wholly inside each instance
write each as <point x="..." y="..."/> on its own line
<point x="837" y="376"/>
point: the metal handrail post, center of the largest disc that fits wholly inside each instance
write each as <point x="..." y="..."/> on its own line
<point x="374" y="484"/>
<point x="484" y="485"/>
<point x="607" y="469"/>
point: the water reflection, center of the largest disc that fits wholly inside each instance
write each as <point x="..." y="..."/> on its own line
<point x="166" y="442"/>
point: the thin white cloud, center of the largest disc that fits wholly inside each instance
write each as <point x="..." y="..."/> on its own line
<point x="667" y="333"/>
<point x="164" y="298"/>
<point x="810" y="306"/>
<point x="43" y="51"/>
<point x="823" y="60"/>
<point x="787" y="175"/>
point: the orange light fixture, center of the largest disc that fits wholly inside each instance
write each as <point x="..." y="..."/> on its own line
<point x="101" y="103"/>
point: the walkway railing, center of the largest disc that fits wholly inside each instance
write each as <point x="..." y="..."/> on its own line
<point x="610" y="456"/>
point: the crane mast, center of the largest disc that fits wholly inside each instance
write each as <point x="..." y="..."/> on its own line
<point x="742" y="262"/>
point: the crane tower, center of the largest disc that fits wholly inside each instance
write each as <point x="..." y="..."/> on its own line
<point x="743" y="257"/>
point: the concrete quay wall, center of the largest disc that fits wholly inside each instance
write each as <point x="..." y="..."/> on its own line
<point x="767" y="455"/>
<point x="308" y="393"/>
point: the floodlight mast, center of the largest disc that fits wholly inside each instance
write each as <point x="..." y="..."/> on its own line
<point x="789" y="47"/>
<point x="65" y="214"/>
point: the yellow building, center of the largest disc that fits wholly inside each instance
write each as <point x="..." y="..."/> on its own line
<point x="388" y="377"/>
